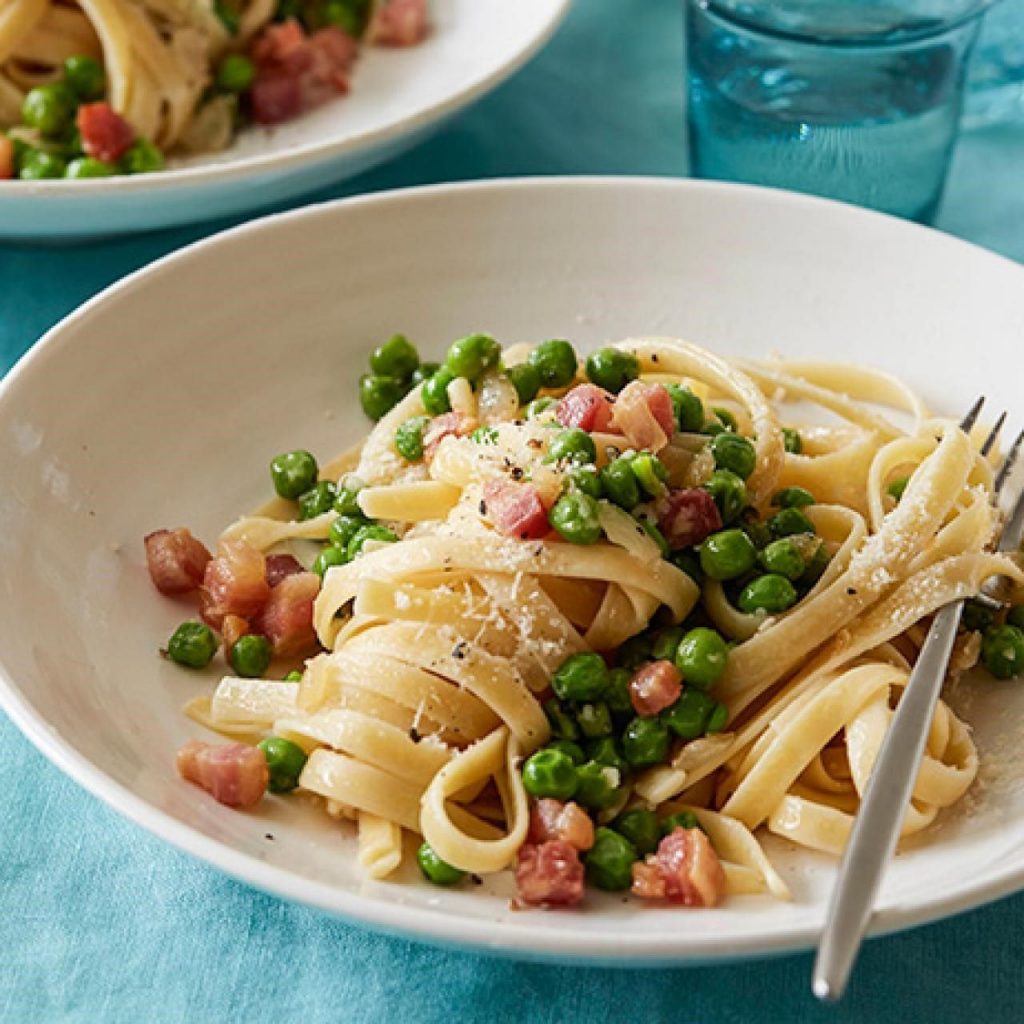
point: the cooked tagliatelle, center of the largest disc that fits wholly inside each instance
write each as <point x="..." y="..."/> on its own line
<point x="598" y="622"/>
<point x="90" y="88"/>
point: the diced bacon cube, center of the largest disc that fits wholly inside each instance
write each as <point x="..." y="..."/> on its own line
<point x="275" y="97"/>
<point x="586" y="406"/>
<point x="235" y="774"/>
<point x="176" y="560"/>
<point x="287" y="618"/>
<point x="235" y="583"/>
<point x="655" y="687"/>
<point x="685" y="870"/>
<point x="516" y="510"/>
<point x="398" y="23"/>
<point x="106" y="135"/>
<point x="232" y="629"/>
<point x="552" y="819"/>
<point x="643" y="412"/>
<point x="686" y="516"/>
<point x="280" y="566"/>
<point x="549" y="874"/>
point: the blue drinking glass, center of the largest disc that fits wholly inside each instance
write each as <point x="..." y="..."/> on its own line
<point x="856" y="101"/>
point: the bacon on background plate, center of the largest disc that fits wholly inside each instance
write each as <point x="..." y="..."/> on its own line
<point x="176" y="560"/>
<point x="235" y="774"/>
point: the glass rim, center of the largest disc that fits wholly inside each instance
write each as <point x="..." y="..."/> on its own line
<point x="893" y="40"/>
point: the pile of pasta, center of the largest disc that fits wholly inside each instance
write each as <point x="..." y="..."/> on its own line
<point x="158" y="56"/>
<point x="439" y="649"/>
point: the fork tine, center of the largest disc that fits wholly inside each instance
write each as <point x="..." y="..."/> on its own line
<point x="972" y="416"/>
<point x="1009" y="462"/>
<point x="993" y="434"/>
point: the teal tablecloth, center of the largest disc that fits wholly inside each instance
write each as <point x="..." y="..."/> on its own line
<point x="100" y="922"/>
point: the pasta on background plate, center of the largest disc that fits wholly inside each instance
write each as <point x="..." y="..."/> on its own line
<point x="93" y="88"/>
<point x="599" y="621"/>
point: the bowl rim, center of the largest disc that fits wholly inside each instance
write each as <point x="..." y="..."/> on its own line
<point x="478" y="934"/>
<point x="308" y="154"/>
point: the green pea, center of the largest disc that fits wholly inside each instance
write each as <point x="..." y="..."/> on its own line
<point x="397" y="358"/>
<point x="789" y="522"/>
<point x="595" y="720"/>
<point x="689" y="716"/>
<point x="372" y="532"/>
<point x="539" y="406"/>
<point x="142" y="157"/>
<point x="690" y="564"/>
<point x="409" y="438"/>
<point x="727" y="555"/>
<point x="434" y="393"/>
<point x="1015" y="616"/>
<point x="317" y="500"/>
<point x="640" y="826"/>
<point x="701" y="657"/>
<point x="347" y="501"/>
<point x="379" y="395"/>
<point x="635" y="651"/>
<point x="896" y="487"/>
<point x="620" y="484"/>
<point x="575" y="517"/>
<point x="645" y="741"/>
<point x="585" y="479"/>
<point x="734" y="452"/>
<point x="604" y="750"/>
<point x="423" y="373"/>
<point x="718" y="719"/>
<point x="526" y="380"/>
<point x="688" y="408"/>
<point x="295" y="676"/>
<point x="792" y="441"/>
<point x="50" y="108"/>
<point x="563" y="725"/>
<point x="816" y="565"/>
<point x="472" y="356"/>
<point x="572" y="445"/>
<point x="329" y="556"/>
<point x="435" y="870"/>
<point x="650" y="473"/>
<point x="89" y="167"/>
<point x="230" y="19"/>
<point x="681" y="819"/>
<point x="349" y="15"/>
<point x="610" y="861"/>
<point x="235" y="74"/>
<point x="571" y="750"/>
<point x="555" y="361"/>
<point x="344" y="528"/>
<point x="86" y="77"/>
<point x="37" y="165"/>
<point x="656" y="535"/>
<point x="612" y="369"/>
<point x="294" y="473"/>
<point x="769" y="593"/>
<point x="616" y="692"/>
<point x="1002" y="651"/>
<point x="550" y="773"/>
<point x="666" y="642"/>
<point x="250" y="656"/>
<point x="976" y="617"/>
<point x="758" y="532"/>
<point x="729" y="492"/>
<point x="598" y="785"/>
<point x="285" y="760"/>
<point x="723" y="419"/>
<point x="192" y="644"/>
<point x="792" y="497"/>
<point x="581" y="677"/>
<point x="783" y="558"/>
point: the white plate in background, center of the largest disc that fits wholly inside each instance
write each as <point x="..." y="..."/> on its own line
<point x="398" y="96"/>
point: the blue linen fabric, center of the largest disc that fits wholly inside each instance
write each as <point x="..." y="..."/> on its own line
<point x="101" y="922"/>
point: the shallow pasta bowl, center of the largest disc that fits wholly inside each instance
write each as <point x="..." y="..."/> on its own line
<point x="398" y="96"/>
<point x="247" y="355"/>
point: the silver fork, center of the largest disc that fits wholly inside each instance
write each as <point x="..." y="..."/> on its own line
<point x="876" y="829"/>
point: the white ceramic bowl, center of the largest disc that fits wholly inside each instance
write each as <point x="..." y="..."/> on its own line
<point x="397" y="98"/>
<point x="161" y="402"/>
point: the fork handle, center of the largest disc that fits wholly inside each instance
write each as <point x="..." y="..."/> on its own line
<point x="876" y="829"/>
